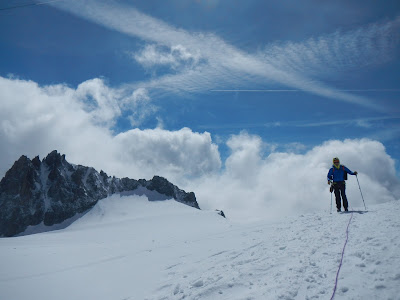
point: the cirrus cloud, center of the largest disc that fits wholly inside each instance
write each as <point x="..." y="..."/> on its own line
<point x="175" y="57"/>
<point x="224" y="66"/>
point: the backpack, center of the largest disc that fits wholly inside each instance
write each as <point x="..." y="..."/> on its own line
<point x="345" y="173"/>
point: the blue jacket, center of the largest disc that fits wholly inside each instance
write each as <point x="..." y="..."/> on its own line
<point x="338" y="174"/>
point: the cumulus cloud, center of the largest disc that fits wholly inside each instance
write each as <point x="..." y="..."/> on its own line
<point x="78" y="122"/>
<point x="139" y="107"/>
<point x="100" y="101"/>
<point x="254" y="182"/>
<point x="181" y="153"/>
<point x="256" y="186"/>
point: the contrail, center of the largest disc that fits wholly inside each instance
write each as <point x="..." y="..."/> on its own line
<point x="225" y="65"/>
<point x="301" y="91"/>
<point x="28" y="4"/>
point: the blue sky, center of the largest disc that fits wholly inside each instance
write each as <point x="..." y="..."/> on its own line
<point x="291" y="74"/>
<point x="62" y="43"/>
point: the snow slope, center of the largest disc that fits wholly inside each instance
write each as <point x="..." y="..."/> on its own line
<point x="130" y="248"/>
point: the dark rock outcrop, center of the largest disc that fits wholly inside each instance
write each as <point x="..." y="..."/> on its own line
<point x="51" y="191"/>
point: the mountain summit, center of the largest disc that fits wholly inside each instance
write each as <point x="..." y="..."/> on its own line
<point x="53" y="191"/>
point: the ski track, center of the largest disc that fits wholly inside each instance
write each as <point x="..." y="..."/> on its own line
<point x="296" y="258"/>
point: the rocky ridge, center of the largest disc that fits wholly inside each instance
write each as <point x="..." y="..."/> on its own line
<point x="51" y="191"/>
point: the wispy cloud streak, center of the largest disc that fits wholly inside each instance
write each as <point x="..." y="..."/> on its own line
<point x="360" y="122"/>
<point x="299" y="91"/>
<point x="335" y="53"/>
<point x="219" y="65"/>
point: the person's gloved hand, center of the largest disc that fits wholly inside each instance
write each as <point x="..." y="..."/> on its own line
<point x="355" y="172"/>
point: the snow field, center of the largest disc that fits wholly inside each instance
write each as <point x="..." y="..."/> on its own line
<point x="279" y="261"/>
<point x="131" y="248"/>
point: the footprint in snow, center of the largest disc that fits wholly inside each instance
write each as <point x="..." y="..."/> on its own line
<point x="172" y="266"/>
<point x="397" y="277"/>
<point x="177" y="289"/>
<point x="198" y="283"/>
<point x="380" y="287"/>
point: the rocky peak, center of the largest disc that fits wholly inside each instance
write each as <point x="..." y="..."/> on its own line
<point x="36" y="162"/>
<point x="19" y="176"/>
<point x="162" y="185"/>
<point x="52" y="191"/>
<point x="54" y="159"/>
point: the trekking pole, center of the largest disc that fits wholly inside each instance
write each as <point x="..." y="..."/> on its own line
<point x="361" y="193"/>
<point x="331" y="190"/>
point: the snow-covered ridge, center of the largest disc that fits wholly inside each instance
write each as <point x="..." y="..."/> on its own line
<point x="39" y="195"/>
<point x="127" y="247"/>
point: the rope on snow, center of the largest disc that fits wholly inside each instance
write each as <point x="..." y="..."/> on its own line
<point x="341" y="260"/>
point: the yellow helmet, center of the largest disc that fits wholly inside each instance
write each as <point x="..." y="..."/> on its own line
<point x="336" y="159"/>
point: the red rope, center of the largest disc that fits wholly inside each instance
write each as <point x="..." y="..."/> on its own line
<point x="341" y="260"/>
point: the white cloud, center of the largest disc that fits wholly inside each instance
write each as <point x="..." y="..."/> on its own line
<point x="181" y="153"/>
<point x="252" y="185"/>
<point x="243" y="162"/>
<point x="105" y="104"/>
<point x="175" y="57"/>
<point x="255" y="186"/>
<point x="360" y="122"/>
<point x="139" y="105"/>
<point x="78" y="122"/>
<point x="226" y="66"/>
<point x="99" y="100"/>
<point x="339" y="52"/>
<point x="36" y="120"/>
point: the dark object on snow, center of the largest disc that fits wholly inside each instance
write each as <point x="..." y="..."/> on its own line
<point x="221" y="213"/>
<point x="52" y="191"/>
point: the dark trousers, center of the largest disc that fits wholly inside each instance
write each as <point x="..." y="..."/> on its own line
<point x="340" y="190"/>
